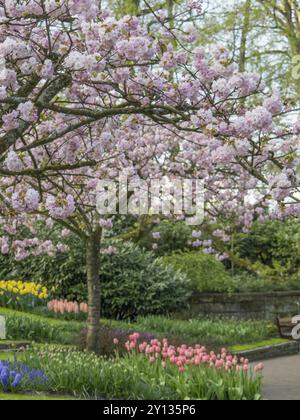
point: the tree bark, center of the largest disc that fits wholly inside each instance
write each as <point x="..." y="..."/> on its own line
<point x="94" y="290"/>
<point x="244" y="38"/>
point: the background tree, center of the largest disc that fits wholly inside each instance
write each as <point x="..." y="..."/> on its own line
<point x="261" y="35"/>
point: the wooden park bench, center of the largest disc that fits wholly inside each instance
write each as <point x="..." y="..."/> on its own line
<point x="285" y="327"/>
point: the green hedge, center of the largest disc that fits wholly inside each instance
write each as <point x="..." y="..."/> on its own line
<point x="205" y="273"/>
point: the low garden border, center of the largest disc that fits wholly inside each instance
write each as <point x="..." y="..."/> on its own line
<point x="289" y="348"/>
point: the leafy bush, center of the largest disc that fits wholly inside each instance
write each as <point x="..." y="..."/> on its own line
<point x="61" y="273"/>
<point x="134" y="283"/>
<point x="205" y="273"/>
<point x="274" y="249"/>
<point x="174" y="236"/>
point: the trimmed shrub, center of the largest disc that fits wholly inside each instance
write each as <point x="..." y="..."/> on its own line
<point x="206" y="274"/>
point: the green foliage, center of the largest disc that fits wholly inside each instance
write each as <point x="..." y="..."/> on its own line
<point x="60" y="273"/>
<point x="210" y="332"/>
<point x="274" y="250"/>
<point x="174" y="236"/>
<point x="25" y="326"/>
<point x="137" y="284"/>
<point x="246" y="282"/>
<point x="125" y="7"/>
<point x="133" y="281"/>
<point x="204" y="271"/>
<point x="133" y="377"/>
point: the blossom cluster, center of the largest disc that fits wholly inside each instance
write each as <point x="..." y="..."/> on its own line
<point x="122" y="111"/>
<point x="26" y="247"/>
<point x="61" y="206"/>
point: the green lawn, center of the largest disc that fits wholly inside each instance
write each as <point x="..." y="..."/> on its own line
<point x="212" y="333"/>
<point x="259" y="344"/>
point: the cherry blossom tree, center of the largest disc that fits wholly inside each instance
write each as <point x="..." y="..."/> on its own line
<point x="85" y="96"/>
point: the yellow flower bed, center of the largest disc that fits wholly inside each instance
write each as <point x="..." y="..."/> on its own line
<point x="20" y="295"/>
<point x="23" y="288"/>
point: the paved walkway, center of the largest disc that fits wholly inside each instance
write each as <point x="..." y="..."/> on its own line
<point x="282" y="379"/>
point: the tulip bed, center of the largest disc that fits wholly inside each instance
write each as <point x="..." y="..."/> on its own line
<point x="146" y="373"/>
<point x="138" y="367"/>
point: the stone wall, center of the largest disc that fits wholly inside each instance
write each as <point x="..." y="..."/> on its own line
<point x="245" y="305"/>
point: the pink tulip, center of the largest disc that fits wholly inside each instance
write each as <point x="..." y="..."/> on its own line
<point x="259" y="367"/>
<point x="132" y="345"/>
<point x="219" y="364"/>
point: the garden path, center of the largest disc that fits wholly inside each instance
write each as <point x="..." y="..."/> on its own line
<point x="282" y="379"/>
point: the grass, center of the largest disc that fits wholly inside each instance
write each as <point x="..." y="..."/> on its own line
<point x="27" y="326"/>
<point x="213" y="333"/>
<point x="13" y="342"/>
<point x="209" y="332"/>
<point x="9" y="355"/>
<point x="257" y="345"/>
<point x="51" y="321"/>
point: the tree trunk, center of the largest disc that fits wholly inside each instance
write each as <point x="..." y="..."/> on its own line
<point x="244" y="38"/>
<point x="94" y="295"/>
